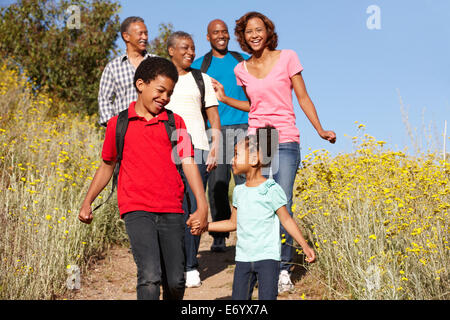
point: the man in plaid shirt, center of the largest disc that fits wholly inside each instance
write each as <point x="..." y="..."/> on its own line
<point x="116" y="85"/>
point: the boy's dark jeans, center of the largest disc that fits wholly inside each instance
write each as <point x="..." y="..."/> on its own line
<point x="246" y="274"/>
<point x="157" y="243"/>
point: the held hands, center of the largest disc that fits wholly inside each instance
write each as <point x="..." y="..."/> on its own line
<point x="195" y="227"/>
<point x="198" y="222"/>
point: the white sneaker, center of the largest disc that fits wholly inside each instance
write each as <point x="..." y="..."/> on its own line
<point x="193" y="279"/>
<point x="284" y="282"/>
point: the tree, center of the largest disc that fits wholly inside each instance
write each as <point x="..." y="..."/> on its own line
<point x="63" y="45"/>
<point x="158" y="45"/>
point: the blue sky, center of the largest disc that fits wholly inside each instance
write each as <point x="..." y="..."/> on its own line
<point x="351" y="73"/>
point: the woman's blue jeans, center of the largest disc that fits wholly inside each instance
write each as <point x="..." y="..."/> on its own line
<point x="284" y="167"/>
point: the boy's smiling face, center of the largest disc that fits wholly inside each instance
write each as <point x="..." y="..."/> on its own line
<point x="154" y="95"/>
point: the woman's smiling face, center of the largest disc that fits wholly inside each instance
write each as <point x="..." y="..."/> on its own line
<point x="256" y="34"/>
<point x="183" y="53"/>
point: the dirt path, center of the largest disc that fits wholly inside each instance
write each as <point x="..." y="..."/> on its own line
<point x="114" y="276"/>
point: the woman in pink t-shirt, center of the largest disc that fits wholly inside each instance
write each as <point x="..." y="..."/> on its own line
<point x="268" y="78"/>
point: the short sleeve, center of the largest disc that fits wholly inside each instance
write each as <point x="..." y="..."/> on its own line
<point x="293" y="63"/>
<point x="278" y="197"/>
<point x="210" y="95"/>
<point x="109" y="152"/>
<point x="237" y="73"/>
<point x="235" y="196"/>
<point x="106" y="95"/>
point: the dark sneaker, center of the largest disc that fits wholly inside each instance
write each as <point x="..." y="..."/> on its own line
<point x="218" y="245"/>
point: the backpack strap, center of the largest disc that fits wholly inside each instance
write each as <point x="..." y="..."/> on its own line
<point x="208" y="58"/>
<point x="197" y="74"/>
<point x="206" y="62"/>
<point x="237" y="56"/>
<point x="170" y="129"/>
<point x="121" y="129"/>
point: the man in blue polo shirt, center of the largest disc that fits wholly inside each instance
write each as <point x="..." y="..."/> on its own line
<point x="219" y="64"/>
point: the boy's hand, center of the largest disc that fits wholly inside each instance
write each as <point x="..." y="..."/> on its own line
<point x="85" y="214"/>
<point x="202" y="219"/>
<point x="195" y="226"/>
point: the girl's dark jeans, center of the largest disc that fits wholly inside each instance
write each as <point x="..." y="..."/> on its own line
<point x="157" y="243"/>
<point x="246" y="274"/>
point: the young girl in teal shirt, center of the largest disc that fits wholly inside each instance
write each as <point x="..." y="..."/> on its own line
<point x="259" y="206"/>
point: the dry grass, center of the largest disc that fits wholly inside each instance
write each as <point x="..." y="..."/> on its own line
<point x="46" y="165"/>
<point x="378" y="220"/>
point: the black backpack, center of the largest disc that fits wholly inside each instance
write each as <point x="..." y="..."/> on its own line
<point x="121" y="129"/>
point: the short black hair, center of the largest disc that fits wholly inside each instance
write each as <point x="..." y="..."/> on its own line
<point x="126" y="24"/>
<point x="152" y="67"/>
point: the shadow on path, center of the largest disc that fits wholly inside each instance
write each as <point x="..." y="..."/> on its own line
<point x="212" y="263"/>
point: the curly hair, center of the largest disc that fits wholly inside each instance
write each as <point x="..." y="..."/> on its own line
<point x="152" y="67"/>
<point x="241" y="24"/>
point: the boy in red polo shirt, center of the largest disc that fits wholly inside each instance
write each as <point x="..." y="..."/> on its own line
<point x="150" y="190"/>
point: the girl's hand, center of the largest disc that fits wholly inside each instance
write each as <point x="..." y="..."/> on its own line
<point x="198" y="226"/>
<point x="219" y="89"/>
<point x="194" y="224"/>
<point x="310" y="254"/>
<point x="328" y="135"/>
<point x="195" y="228"/>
